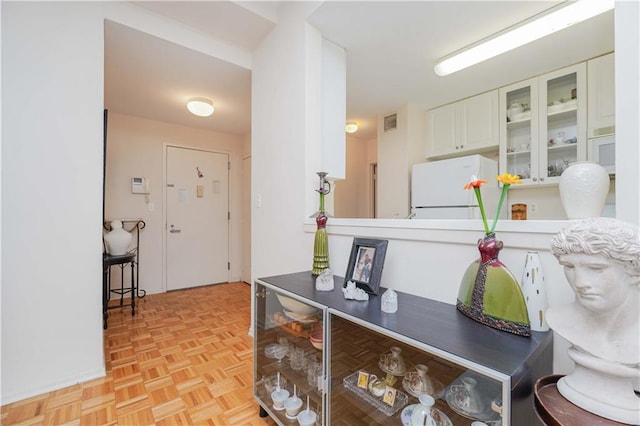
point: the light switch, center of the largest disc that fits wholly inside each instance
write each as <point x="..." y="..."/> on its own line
<point x="200" y="191"/>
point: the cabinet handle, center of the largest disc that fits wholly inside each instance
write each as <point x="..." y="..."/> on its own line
<point x="541" y="179"/>
<point x="535" y="179"/>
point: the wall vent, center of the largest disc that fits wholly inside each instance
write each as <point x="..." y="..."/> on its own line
<point x="390" y="122"/>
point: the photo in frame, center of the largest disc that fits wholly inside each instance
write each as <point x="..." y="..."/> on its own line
<point x="389" y="395"/>
<point x="363" y="379"/>
<point x="365" y="263"/>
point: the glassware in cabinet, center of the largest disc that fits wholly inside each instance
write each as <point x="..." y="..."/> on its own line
<point x="519" y="129"/>
<point x="288" y="352"/>
<point x="359" y="357"/>
<point x="562" y="123"/>
<point x="538" y="144"/>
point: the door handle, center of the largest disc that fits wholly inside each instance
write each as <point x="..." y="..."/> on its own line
<point x="175" y="231"/>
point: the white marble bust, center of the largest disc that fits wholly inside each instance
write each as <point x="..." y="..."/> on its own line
<point x="601" y="260"/>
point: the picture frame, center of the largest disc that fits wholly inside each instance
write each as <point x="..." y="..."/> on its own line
<point x="365" y="263"/>
<point x="389" y="395"/>
<point x="363" y="379"/>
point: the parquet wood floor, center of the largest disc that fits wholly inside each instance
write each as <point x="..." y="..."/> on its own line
<point x="185" y="358"/>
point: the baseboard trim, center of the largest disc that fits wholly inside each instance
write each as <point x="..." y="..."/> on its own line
<point x="80" y="378"/>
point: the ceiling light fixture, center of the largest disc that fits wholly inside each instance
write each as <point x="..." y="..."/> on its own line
<point x="351" y="127"/>
<point x="201" y="107"/>
<point x="534" y="28"/>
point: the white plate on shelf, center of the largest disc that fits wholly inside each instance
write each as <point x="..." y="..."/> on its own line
<point x="405" y="416"/>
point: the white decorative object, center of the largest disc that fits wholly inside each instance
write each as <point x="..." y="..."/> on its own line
<point x="601" y="259"/>
<point x="353" y="292"/>
<point x="295" y="306"/>
<point x="423" y="413"/>
<point x="117" y="240"/>
<point x="324" y="281"/>
<point x="389" y="302"/>
<point x="533" y="290"/>
<point x="583" y="189"/>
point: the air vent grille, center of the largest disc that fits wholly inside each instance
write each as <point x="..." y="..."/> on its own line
<point x="390" y="122"/>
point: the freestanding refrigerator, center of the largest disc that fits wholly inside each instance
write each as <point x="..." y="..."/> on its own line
<point x="437" y="188"/>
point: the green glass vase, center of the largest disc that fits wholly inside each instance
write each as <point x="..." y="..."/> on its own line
<point x="321" y="241"/>
<point x="320" y="246"/>
<point x="490" y="294"/>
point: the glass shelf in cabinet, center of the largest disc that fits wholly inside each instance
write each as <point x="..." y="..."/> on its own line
<point x="562" y="147"/>
<point x="524" y="122"/>
<point x="565" y="113"/>
<point x="518" y="153"/>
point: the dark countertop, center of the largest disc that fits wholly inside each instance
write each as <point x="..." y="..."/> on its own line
<point x="439" y="325"/>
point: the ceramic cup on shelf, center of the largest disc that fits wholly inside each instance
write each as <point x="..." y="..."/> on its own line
<point x="393" y="361"/>
<point x="307" y="417"/>
<point x="279" y="396"/>
<point x="292" y="405"/>
<point x="467" y="397"/>
<point x="420" y="381"/>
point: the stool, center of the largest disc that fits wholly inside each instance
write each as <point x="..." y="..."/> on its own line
<point x="119" y="260"/>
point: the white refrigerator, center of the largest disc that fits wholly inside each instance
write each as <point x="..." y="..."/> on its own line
<point x="437" y="188"/>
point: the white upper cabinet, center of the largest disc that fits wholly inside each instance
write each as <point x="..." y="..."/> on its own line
<point x="464" y="127"/>
<point x="543" y="125"/>
<point x="601" y="96"/>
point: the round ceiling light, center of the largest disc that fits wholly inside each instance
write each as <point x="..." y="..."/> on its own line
<point x="351" y="127"/>
<point x="201" y="107"/>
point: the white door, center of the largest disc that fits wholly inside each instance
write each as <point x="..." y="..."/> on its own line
<point x="197" y="228"/>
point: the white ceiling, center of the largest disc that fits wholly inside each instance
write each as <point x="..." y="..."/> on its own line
<point x="391" y="48"/>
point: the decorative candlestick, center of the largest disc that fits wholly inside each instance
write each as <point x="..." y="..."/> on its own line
<point x="321" y="242"/>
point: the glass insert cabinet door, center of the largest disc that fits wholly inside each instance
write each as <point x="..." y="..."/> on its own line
<point x="519" y="112"/>
<point x="562" y="120"/>
<point x="377" y="379"/>
<point x="289" y="367"/>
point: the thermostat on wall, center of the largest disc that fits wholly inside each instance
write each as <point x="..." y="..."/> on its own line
<point x="139" y="185"/>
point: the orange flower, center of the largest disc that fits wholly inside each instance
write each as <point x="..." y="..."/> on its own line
<point x="475" y="183"/>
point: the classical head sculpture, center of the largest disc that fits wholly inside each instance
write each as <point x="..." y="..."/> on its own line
<point x="601" y="260"/>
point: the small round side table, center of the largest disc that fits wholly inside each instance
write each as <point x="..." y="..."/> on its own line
<point x="554" y="410"/>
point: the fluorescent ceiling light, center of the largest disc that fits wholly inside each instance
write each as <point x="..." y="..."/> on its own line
<point x="202" y="107"/>
<point x="534" y="28"/>
<point x="351" y="127"/>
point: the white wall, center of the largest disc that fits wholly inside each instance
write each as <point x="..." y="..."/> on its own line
<point x="135" y="147"/>
<point x="283" y="111"/>
<point x="393" y="180"/>
<point x="627" y="70"/>
<point x="351" y="195"/>
<point x="52" y="59"/>
<point x="398" y="151"/>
